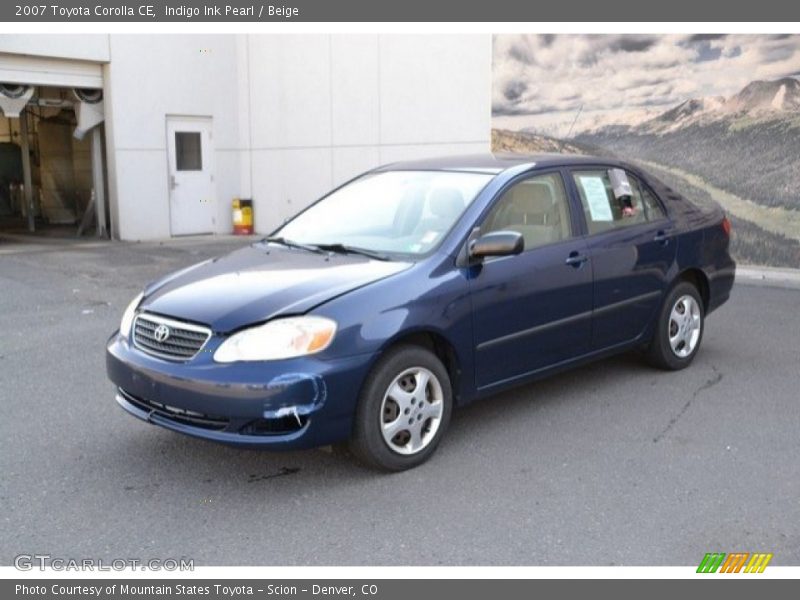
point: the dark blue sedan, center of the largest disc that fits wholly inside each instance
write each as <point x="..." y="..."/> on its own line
<point x="415" y="288"/>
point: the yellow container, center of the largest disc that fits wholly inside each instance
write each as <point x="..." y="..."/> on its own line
<point x="242" y="216"/>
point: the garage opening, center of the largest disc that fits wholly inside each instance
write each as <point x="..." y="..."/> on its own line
<point x="52" y="161"/>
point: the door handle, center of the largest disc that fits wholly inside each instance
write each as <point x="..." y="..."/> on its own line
<point x="172" y="183"/>
<point x="661" y="237"/>
<point x="576" y="259"/>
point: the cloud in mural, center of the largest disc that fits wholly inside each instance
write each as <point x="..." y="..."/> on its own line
<point x="542" y="81"/>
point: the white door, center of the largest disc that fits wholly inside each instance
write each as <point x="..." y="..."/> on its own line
<point x="191" y="179"/>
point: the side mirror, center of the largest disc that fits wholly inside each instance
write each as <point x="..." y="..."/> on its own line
<point x="497" y="243"/>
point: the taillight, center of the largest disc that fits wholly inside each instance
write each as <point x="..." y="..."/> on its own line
<point x="726" y="226"/>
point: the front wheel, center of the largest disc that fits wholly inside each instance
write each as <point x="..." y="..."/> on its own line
<point x="403" y="410"/>
<point x="679" y="330"/>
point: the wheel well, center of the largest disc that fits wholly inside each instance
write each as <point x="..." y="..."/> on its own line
<point x="699" y="280"/>
<point x="443" y="350"/>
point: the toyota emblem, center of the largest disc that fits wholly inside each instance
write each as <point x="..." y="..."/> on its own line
<point x="161" y="333"/>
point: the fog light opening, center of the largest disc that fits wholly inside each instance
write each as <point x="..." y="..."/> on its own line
<point x="276" y="424"/>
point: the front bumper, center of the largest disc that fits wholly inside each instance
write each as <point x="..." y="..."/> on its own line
<point x="295" y="403"/>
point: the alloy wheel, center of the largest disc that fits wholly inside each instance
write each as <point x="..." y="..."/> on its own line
<point x="411" y="411"/>
<point x="685" y="323"/>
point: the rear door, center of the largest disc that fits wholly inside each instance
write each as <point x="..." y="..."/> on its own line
<point x="532" y="310"/>
<point x="631" y="247"/>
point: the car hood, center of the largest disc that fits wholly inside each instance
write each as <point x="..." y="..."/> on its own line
<point x="255" y="284"/>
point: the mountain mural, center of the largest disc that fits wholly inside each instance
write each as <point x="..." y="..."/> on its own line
<point x="747" y="144"/>
<point x="716" y="117"/>
<point x="758" y="101"/>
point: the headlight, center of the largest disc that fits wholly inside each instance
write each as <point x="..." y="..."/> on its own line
<point x="127" y="316"/>
<point x="282" y="338"/>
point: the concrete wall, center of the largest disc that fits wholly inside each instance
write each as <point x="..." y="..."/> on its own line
<point x="323" y="108"/>
<point x="293" y="115"/>
<point x="148" y="78"/>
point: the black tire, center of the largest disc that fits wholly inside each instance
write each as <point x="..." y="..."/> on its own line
<point x="660" y="353"/>
<point x="367" y="442"/>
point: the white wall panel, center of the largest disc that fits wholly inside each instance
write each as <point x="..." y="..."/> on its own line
<point x="154" y="76"/>
<point x="290" y="90"/>
<point x="228" y="186"/>
<point x="335" y="106"/>
<point x="435" y="88"/>
<point x="286" y="181"/>
<point x="349" y="161"/>
<point x="390" y="154"/>
<point x="355" y="102"/>
<point x="141" y="182"/>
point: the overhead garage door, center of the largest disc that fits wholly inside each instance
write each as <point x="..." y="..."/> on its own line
<point x="32" y="70"/>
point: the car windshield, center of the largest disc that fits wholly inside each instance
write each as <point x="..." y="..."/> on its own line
<point x="404" y="212"/>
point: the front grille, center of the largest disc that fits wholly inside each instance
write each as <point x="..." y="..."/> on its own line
<point x="182" y="342"/>
<point x="179" y="415"/>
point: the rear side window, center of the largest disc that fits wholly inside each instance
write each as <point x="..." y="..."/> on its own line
<point x="604" y="211"/>
<point x="653" y="211"/>
<point x="536" y="207"/>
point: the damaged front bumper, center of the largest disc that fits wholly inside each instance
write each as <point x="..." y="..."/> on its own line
<point x="295" y="403"/>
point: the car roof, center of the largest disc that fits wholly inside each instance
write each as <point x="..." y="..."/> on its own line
<point x="494" y="163"/>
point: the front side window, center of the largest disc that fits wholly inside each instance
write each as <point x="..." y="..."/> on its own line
<point x="406" y="212"/>
<point x="536" y="207"/>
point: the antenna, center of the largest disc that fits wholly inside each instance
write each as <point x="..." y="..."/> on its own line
<point x="574" y="121"/>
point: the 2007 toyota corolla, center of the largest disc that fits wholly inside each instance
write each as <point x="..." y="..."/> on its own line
<point x="415" y="288"/>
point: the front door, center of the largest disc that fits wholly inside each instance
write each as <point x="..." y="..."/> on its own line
<point x="191" y="179"/>
<point x="533" y="310"/>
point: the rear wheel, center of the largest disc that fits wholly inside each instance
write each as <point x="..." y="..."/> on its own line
<point x="403" y="410"/>
<point x="679" y="330"/>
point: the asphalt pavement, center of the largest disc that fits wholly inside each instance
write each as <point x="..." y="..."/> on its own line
<point x="610" y="464"/>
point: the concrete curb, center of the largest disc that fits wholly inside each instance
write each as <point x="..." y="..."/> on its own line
<point x="769" y="276"/>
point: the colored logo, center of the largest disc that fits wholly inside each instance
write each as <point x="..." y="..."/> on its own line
<point x="736" y="562"/>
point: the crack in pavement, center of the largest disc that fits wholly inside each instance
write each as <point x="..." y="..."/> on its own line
<point x="711" y="382"/>
<point x="280" y="473"/>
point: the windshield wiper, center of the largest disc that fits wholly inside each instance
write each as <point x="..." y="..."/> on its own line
<point x="345" y="249"/>
<point x="290" y="244"/>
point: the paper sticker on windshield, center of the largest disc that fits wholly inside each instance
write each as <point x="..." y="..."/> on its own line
<point x="415" y="247"/>
<point x="429" y="237"/>
<point x="596" y="197"/>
